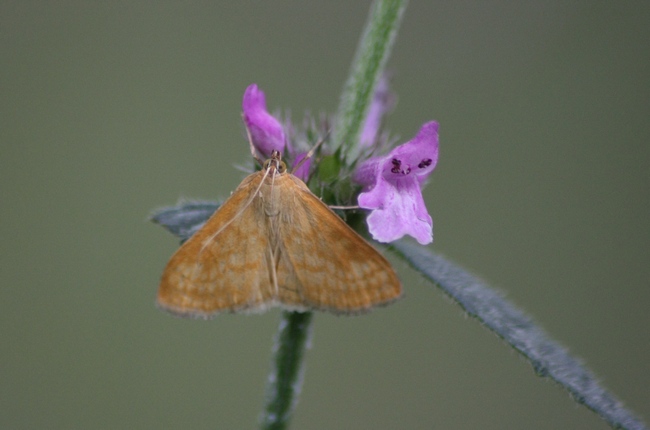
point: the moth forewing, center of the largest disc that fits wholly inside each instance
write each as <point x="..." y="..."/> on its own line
<point x="335" y="268"/>
<point x="273" y="242"/>
<point x="220" y="268"/>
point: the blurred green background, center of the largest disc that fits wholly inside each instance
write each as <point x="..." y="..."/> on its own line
<point x="111" y="109"/>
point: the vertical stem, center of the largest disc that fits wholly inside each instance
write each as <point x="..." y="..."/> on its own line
<point x="367" y="67"/>
<point x="285" y="380"/>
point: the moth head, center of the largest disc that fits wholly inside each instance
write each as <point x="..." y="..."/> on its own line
<point x="276" y="162"/>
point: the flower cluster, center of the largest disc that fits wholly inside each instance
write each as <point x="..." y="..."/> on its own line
<point x="391" y="183"/>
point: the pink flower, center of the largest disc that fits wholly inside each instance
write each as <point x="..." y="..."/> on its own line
<point x="302" y="172"/>
<point x="383" y="100"/>
<point x="392" y="188"/>
<point x="265" y="130"/>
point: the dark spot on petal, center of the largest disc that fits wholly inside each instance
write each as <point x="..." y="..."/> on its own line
<point x="425" y="163"/>
<point x="396" y="165"/>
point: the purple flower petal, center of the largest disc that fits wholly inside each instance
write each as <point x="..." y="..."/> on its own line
<point x="302" y="172"/>
<point x="265" y="130"/>
<point x="399" y="211"/>
<point x="392" y="188"/>
<point x="366" y="174"/>
<point x="382" y="102"/>
<point x="418" y="156"/>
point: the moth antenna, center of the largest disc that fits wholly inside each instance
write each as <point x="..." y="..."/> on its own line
<point x="344" y="207"/>
<point x="311" y="152"/>
<point x="250" y="200"/>
<point x="250" y="143"/>
<point x="276" y="157"/>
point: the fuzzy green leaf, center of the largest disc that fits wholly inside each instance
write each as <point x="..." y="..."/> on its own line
<point x="549" y="359"/>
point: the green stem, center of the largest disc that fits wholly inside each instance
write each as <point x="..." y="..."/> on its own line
<point x="370" y="60"/>
<point x="378" y="36"/>
<point x="285" y="379"/>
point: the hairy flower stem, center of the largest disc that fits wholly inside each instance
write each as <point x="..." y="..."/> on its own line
<point x="368" y="65"/>
<point x="285" y="379"/>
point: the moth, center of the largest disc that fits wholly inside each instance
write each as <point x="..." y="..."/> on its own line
<point x="274" y="243"/>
